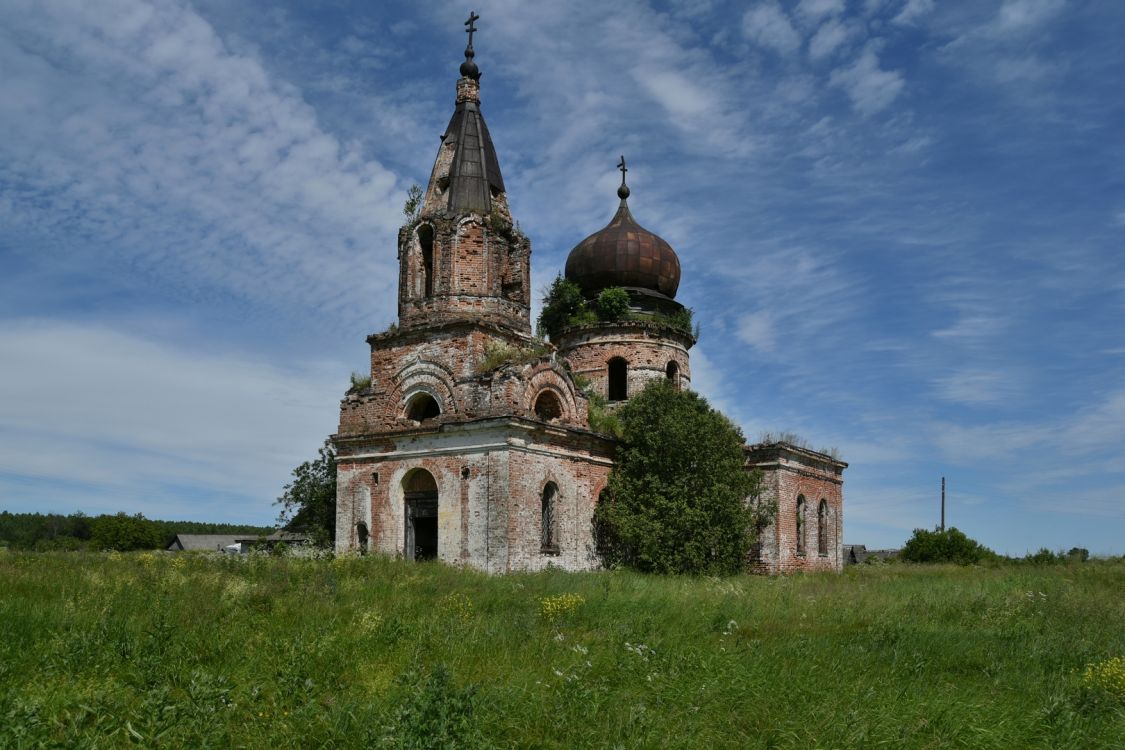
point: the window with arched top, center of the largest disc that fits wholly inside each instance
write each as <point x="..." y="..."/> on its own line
<point x="800" y="524"/>
<point x="426" y="243"/>
<point x="548" y="529"/>
<point x="618" y="379"/>
<point x="422" y="406"/>
<point x="547" y="406"/>
<point x="822" y="527"/>
<point x="361" y="536"/>
<point x="672" y="372"/>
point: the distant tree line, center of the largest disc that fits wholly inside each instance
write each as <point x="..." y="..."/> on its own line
<point x="120" y="531"/>
<point x="953" y="546"/>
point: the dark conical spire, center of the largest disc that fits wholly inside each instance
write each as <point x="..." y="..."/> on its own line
<point x="474" y="171"/>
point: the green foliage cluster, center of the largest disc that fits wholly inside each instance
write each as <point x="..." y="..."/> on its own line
<point x="498" y="354"/>
<point x="360" y="381"/>
<point x="433" y="713"/>
<point x="53" y="531"/>
<point x="124" y="533"/>
<point x="564" y="305"/>
<point x="949" y="546"/>
<point x="1045" y="556"/>
<point x="179" y="651"/>
<point x="612" y="304"/>
<point x="677" y="495"/>
<point x="602" y="419"/>
<point x="413" y="204"/>
<point x="308" y="502"/>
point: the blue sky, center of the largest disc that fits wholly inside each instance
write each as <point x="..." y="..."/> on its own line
<point x="900" y="224"/>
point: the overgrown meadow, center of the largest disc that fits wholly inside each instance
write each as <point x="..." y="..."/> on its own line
<point x="155" y="650"/>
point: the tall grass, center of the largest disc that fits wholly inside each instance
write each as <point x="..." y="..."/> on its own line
<point x="205" y="651"/>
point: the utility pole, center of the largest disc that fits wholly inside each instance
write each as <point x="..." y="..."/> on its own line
<point x="943" y="505"/>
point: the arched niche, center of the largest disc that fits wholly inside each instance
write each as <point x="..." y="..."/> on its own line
<point x="422" y="406"/>
<point x="547" y="406"/>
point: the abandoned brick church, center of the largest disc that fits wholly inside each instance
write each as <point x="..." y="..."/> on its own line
<point x="457" y="452"/>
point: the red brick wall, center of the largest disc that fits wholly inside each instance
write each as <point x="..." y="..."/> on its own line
<point x="647" y="348"/>
<point x="789" y="473"/>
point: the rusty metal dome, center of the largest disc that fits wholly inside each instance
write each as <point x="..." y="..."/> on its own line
<point x="624" y="254"/>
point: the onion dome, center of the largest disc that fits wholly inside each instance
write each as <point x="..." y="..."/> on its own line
<point x="624" y="254"/>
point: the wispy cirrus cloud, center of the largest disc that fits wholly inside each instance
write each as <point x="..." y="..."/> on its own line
<point x="136" y="125"/>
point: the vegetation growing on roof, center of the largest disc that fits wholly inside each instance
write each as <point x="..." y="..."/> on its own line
<point x="498" y="354"/>
<point x="565" y="306"/>
<point x="360" y="381"/>
<point x="413" y="205"/>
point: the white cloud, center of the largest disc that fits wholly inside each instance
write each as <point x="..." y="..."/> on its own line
<point x="757" y="330"/>
<point x="680" y="96"/>
<point x="870" y="88"/>
<point x="131" y="417"/>
<point x="972" y="328"/>
<point x="767" y="24"/>
<point x="813" y="11"/>
<point x="913" y="11"/>
<point x="1020" y="16"/>
<point x="828" y="39"/>
<point x="975" y="386"/>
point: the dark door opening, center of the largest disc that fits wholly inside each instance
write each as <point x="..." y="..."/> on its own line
<point x="420" y="490"/>
<point x="421" y="526"/>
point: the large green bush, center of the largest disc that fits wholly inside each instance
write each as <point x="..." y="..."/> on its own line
<point x="677" y="496"/>
<point x="123" y="533"/>
<point x="950" y="545"/>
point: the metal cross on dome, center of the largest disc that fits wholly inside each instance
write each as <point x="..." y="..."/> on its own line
<point x="623" y="168"/>
<point x="470" y="26"/>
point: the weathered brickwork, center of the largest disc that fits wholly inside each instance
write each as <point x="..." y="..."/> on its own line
<point x="647" y="349"/>
<point x="490" y="477"/>
<point x="450" y="268"/>
<point x="799" y="541"/>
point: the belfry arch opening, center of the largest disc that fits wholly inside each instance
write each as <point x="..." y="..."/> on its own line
<point x="618" y="380"/>
<point x="422" y="406"/>
<point x="426" y="243"/>
<point x="672" y="372"/>
<point x="547" y="406"/>
<point x="420" y="494"/>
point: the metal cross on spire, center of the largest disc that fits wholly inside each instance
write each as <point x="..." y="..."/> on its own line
<point x="623" y="191"/>
<point x="470" y="26"/>
<point x="469" y="68"/>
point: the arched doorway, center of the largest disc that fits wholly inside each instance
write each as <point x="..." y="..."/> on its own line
<point x="421" y="503"/>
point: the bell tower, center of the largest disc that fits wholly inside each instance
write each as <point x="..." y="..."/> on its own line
<point x="462" y="258"/>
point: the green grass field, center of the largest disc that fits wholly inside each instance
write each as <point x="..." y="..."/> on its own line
<point x="154" y="650"/>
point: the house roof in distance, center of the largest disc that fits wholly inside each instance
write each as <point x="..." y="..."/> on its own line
<point x="196" y="542"/>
